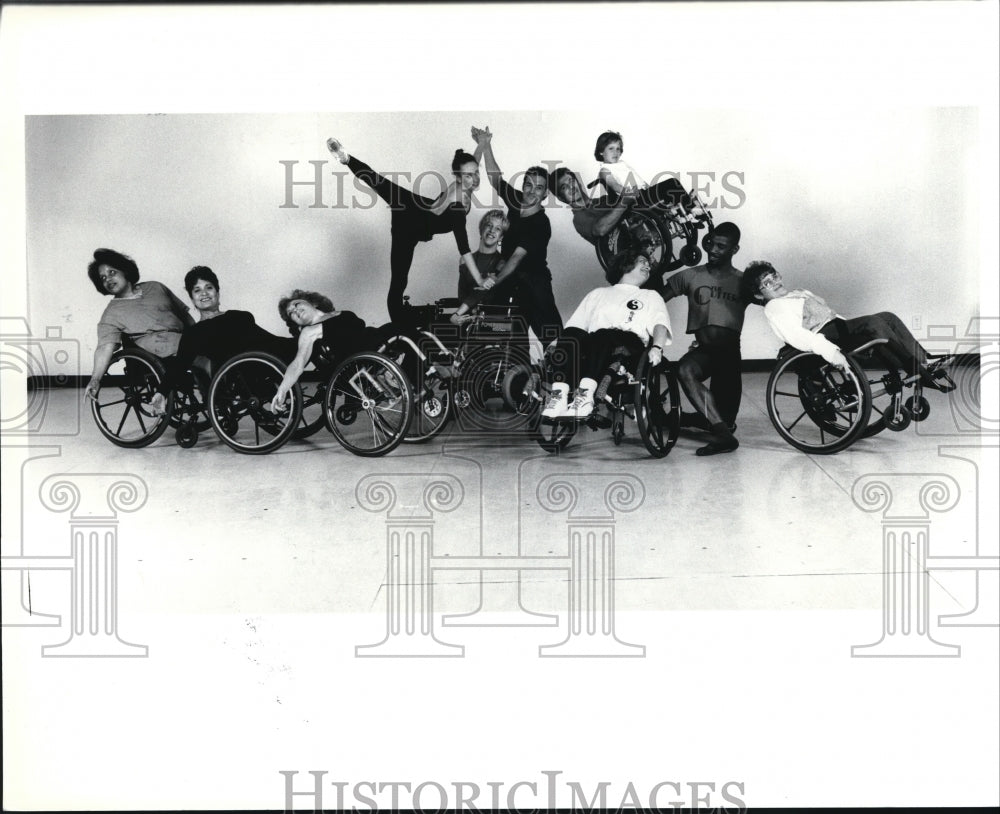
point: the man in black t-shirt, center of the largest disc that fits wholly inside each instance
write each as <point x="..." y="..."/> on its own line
<point x="526" y="243"/>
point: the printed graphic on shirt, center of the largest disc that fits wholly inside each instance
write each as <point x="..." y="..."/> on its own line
<point x="703" y="294"/>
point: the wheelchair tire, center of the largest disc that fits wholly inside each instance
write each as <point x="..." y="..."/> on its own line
<point x="313" y="418"/>
<point x="239" y="404"/>
<point x="816" y="407"/>
<point x="519" y="387"/>
<point x="373" y="390"/>
<point x="657" y="406"/>
<point x="554" y="436"/>
<point x="638" y="230"/>
<point x="898" y="421"/>
<point x="121" y="409"/>
<point x="690" y="255"/>
<point x="186" y="436"/>
<point x="919" y="408"/>
<point x="432" y="397"/>
<point x="482" y="374"/>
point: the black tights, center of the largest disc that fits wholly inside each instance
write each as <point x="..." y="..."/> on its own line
<point x="409" y="218"/>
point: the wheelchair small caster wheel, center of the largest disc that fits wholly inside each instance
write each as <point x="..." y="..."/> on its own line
<point x="617" y="433"/>
<point x="898" y="420"/>
<point x="229" y="426"/>
<point x="462" y="399"/>
<point x="346" y="415"/>
<point x="690" y="255"/>
<point x="919" y="409"/>
<point x="706" y="239"/>
<point x="186" y="437"/>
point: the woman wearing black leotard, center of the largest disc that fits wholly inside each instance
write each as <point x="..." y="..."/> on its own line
<point x="416" y="219"/>
<point x="326" y="336"/>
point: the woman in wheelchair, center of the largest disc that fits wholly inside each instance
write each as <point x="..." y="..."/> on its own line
<point x="621" y="315"/>
<point x="217" y="337"/>
<point x="807" y="323"/>
<point x="147" y="315"/>
<point x="325" y="336"/>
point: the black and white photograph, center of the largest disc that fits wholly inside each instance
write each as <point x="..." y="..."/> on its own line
<point x="500" y="406"/>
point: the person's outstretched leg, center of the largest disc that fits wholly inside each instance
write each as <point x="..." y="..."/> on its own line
<point x="669" y="191"/>
<point x="694" y="367"/>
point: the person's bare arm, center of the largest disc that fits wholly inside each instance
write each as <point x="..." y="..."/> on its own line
<point x="307" y="339"/>
<point x="609" y="220"/>
<point x="102" y="360"/>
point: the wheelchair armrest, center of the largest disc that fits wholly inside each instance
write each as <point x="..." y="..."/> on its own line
<point x="866" y="346"/>
<point x="448" y="302"/>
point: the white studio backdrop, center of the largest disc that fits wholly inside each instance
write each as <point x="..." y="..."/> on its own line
<point x="866" y="207"/>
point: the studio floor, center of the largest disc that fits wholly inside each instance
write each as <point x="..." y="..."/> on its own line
<point x="255" y="582"/>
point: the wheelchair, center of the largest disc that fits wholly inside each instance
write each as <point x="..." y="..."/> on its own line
<point x="122" y="410"/>
<point x="650" y="396"/>
<point x="821" y="409"/>
<point x="481" y="368"/>
<point x="654" y="231"/>
<point x="366" y="404"/>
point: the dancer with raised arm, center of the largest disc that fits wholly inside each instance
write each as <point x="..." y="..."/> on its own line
<point x="416" y="219"/>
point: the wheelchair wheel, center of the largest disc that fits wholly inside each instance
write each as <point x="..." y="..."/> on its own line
<point x="520" y="389"/>
<point x="657" y="407"/>
<point x="638" y="230"/>
<point x="369" y="404"/>
<point x="554" y="436"/>
<point x="690" y="255"/>
<point x="239" y="404"/>
<point x="482" y="375"/>
<point x="313" y="419"/>
<point x="815" y="406"/>
<point x="919" y="408"/>
<point x="432" y="400"/>
<point x="186" y="436"/>
<point x="121" y="409"/>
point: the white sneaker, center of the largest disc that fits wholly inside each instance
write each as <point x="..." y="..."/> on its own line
<point x="555" y="407"/>
<point x="583" y="401"/>
<point x="582" y="405"/>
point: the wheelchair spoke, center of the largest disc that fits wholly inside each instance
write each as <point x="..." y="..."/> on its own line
<point x="802" y="415"/>
<point x="122" y="422"/>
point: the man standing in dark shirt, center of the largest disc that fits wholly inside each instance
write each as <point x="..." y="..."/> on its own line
<point x="716" y="306"/>
<point x="525" y="245"/>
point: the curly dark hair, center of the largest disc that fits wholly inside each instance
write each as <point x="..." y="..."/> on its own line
<point x="622" y="264"/>
<point x="315" y="299"/>
<point x="109" y="257"/>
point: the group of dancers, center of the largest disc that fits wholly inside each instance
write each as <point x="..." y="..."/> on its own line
<point x="510" y="264"/>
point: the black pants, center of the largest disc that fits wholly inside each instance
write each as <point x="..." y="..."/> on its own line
<point x="721" y="360"/>
<point x="535" y="300"/>
<point x="582" y="355"/>
<point x="409" y="227"/>
<point x="902" y="350"/>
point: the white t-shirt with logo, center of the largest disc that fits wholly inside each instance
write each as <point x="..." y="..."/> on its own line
<point x="622" y="306"/>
